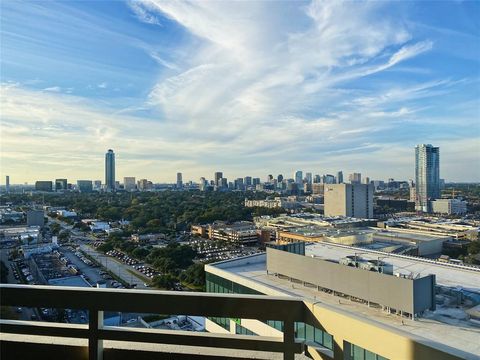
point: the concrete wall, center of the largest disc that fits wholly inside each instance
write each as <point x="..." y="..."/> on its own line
<point x="397" y="293"/>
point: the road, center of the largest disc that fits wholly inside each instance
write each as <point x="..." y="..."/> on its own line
<point x="124" y="271"/>
<point x="120" y="269"/>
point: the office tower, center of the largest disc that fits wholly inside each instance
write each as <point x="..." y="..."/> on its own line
<point x="85" y="186"/>
<point x="367" y="180"/>
<point x="223" y="182"/>
<point x="179" y="181"/>
<point x="299" y="177"/>
<point x="427" y="175"/>
<point x="255" y="181"/>
<point x="129" y="183"/>
<point x="239" y="184"/>
<point x="248" y="181"/>
<point x="329" y="179"/>
<point x="308" y="177"/>
<point x="339" y="177"/>
<point x="43" y="185"/>
<point x="270" y="178"/>
<point x="7" y="183"/>
<point x="60" y="184"/>
<point x="97" y="184"/>
<point x="203" y="184"/>
<point x="279" y="178"/>
<point x="355" y="178"/>
<point x="352" y="200"/>
<point x="317" y="179"/>
<point x="217" y="176"/>
<point x="110" y="170"/>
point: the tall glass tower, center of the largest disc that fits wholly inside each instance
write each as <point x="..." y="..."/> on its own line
<point x="427" y="176"/>
<point x="110" y="170"/>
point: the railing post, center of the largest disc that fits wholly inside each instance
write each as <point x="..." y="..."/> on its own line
<point x="95" y="345"/>
<point x="289" y="339"/>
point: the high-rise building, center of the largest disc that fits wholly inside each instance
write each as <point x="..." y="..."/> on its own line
<point x="61" y="184"/>
<point x="355" y="178"/>
<point x="85" y="186"/>
<point x="352" y="200"/>
<point x="317" y="179"/>
<point x="179" y="180"/>
<point x="367" y="180"/>
<point x="339" y="177"/>
<point x="427" y="176"/>
<point x="279" y="178"/>
<point x="217" y="176"/>
<point x="255" y="181"/>
<point x="309" y="178"/>
<point x="248" y="181"/>
<point x="299" y="177"/>
<point x="43" y="185"/>
<point x="97" y="185"/>
<point x="129" y="183"/>
<point x="110" y="170"/>
<point x="7" y="183"/>
<point x="328" y="179"/>
<point x="203" y="184"/>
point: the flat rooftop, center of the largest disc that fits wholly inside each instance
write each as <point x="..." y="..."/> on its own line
<point x="445" y="275"/>
<point x="436" y="326"/>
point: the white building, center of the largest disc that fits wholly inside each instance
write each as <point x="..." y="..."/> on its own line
<point x="449" y="206"/>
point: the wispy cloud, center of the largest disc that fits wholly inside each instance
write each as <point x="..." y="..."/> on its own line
<point x="53" y="89"/>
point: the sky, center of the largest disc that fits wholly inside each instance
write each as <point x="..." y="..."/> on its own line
<point x="247" y="88"/>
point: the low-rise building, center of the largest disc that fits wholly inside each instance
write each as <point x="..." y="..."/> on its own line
<point x="449" y="206"/>
<point x="242" y="232"/>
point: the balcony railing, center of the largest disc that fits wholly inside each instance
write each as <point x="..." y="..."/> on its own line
<point x="96" y="301"/>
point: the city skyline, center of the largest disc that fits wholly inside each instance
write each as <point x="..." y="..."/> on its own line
<point x="348" y="86"/>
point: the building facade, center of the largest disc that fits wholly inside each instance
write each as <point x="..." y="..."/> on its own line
<point x="85" y="186"/>
<point x="449" y="206"/>
<point x="352" y="200"/>
<point x="427" y="176"/>
<point x="43" y="185"/>
<point x="110" y="170"/>
<point x="129" y="183"/>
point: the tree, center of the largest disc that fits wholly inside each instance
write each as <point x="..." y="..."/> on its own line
<point x="64" y="236"/>
<point x="165" y="281"/>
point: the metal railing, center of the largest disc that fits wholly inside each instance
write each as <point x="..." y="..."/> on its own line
<point x="96" y="301"/>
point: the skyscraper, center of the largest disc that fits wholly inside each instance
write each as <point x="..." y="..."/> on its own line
<point x="7" y="184"/>
<point x="427" y="176"/>
<point x="60" y="184"/>
<point x="355" y="178"/>
<point x="217" y="176"/>
<point x="299" y="177"/>
<point x="339" y="177"/>
<point x="308" y="177"/>
<point x="110" y="170"/>
<point x="179" y="180"/>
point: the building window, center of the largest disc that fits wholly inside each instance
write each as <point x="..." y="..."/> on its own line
<point x="359" y="353"/>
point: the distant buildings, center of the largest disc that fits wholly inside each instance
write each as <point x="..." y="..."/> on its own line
<point x="43" y="185"/>
<point x="179" y="180"/>
<point x="129" y="183"/>
<point x="449" y="206"/>
<point x="427" y="176"/>
<point x="61" y="184"/>
<point x="7" y="184"/>
<point x="85" y="186"/>
<point x="355" y="178"/>
<point x="299" y="177"/>
<point x="218" y="176"/>
<point x="339" y="177"/>
<point x="110" y="170"/>
<point x="352" y="200"/>
<point x="97" y="185"/>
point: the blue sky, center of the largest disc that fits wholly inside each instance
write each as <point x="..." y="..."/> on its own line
<point x="247" y="88"/>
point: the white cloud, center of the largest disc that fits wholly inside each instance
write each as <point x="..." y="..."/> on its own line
<point x="102" y="85"/>
<point x="53" y="89"/>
